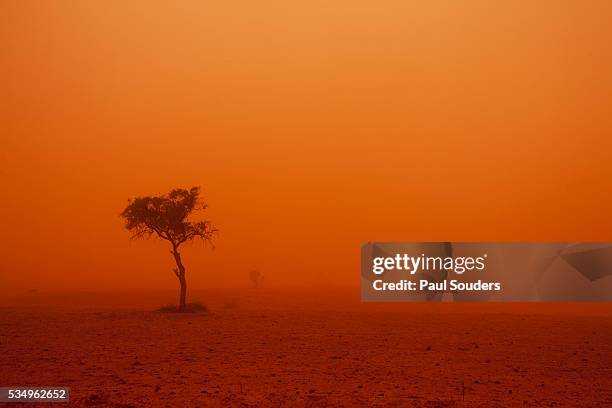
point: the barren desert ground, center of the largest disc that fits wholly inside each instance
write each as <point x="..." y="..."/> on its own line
<point x="306" y="349"/>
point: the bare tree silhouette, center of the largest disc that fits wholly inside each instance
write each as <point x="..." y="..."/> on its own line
<point x="165" y="217"/>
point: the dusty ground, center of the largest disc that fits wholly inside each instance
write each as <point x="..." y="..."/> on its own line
<point x="297" y="349"/>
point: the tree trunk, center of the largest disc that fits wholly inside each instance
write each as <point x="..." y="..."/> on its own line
<point x="183" y="294"/>
<point x="180" y="274"/>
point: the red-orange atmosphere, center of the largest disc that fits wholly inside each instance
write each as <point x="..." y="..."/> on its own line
<point x="311" y="126"/>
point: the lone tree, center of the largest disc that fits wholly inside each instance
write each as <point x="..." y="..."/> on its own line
<point x="166" y="217"/>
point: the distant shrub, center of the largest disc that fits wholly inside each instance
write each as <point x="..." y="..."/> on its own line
<point x="256" y="278"/>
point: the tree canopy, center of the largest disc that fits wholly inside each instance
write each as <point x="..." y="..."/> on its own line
<point x="166" y="216"/>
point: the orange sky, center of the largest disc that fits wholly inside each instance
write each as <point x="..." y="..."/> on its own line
<point x="311" y="126"/>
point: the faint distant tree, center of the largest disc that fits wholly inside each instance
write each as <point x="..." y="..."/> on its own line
<point x="166" y="217"/>
<point x="256" y="278"/>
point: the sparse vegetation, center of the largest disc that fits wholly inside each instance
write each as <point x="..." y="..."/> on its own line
<point x="195" y="307"/>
